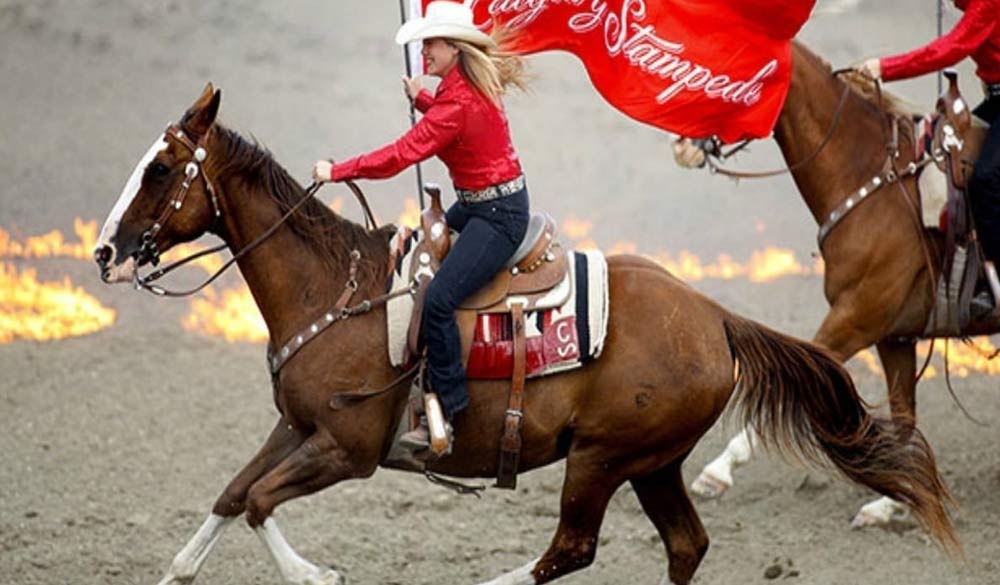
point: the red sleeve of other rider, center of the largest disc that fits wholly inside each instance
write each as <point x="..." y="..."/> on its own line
<point x="969" y="34"/>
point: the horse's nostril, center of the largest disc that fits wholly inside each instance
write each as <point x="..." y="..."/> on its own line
<point x="102" y="255"/>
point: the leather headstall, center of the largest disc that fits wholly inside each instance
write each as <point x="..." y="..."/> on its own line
<point x="148" y="249"/>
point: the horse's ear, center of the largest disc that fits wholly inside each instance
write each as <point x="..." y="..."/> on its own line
<point x="201" y="115"/>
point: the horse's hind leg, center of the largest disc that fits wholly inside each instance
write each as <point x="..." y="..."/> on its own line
<point x="717" y="476"/>
<point x="664" y="500"/>
<point x="587" y="489"/>
<point x="283" y="440"/>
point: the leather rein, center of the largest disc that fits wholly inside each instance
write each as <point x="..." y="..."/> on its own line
<point x="148" y="250"/>
<point x="889" y="174"/>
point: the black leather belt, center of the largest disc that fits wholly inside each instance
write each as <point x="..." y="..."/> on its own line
<point x="490" y="193"/>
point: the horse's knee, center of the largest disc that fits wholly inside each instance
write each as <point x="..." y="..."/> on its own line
<point x="232" y="502"/>
<point x="258" y="506"/>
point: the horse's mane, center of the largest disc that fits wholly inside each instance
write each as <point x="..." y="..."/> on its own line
<point x="865" y="89"/>
<point x="893" y="104"/>
<point x="331" y="235"/>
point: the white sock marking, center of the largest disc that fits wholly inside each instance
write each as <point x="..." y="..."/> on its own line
<point x="188" y="562"/>
<point x="519" y="576"/>
<point x="293" y="568"/>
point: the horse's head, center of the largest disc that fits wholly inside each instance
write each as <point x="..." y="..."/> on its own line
<point x="167" y="200"/>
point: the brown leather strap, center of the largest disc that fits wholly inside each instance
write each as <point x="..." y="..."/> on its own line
<point x="510" y="444"/>
<point x="716" y="169"/>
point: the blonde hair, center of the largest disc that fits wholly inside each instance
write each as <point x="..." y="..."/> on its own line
<point x="492" y="71"/>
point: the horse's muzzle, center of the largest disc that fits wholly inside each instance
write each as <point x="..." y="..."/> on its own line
<point x="104" y="255"/>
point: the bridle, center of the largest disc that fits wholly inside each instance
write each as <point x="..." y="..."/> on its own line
<point x="148" y="250"/>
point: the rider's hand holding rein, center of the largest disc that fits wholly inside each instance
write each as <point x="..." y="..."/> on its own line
<point x="870" y="68"/>
<point x="323" y="171"/>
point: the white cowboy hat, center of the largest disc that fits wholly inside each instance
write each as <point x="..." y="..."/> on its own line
<point x="444" y="19"/>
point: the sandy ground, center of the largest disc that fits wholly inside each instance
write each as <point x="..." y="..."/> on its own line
<point x="114" y="446"/>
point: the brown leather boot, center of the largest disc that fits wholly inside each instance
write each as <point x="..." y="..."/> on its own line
<point x="419" y="438"/>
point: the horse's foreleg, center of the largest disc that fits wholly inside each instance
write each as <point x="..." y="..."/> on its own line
<point x="282" y="440"/>
<point x="318" y="462"/>
<point x="899" y="359"/>
<point x="664" y="500"/>
<point x="717" y="476"/>
<point x="188" y="562"/>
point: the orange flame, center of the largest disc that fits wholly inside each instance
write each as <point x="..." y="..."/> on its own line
<point x="52" y="244"/>
<point x="43" y="311"/>
<point x="233" y="315"/>
<point x="410" y="217"/>
<point x="978" y="356"/>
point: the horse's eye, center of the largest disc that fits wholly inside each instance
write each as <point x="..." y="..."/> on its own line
<point x="158" y="169"/>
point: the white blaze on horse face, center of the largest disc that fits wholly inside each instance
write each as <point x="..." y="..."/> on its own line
<point x="128" y="193"/>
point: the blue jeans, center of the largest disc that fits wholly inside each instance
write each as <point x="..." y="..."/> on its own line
<point x="984" y="188"/>
<point x="491" y="232"/>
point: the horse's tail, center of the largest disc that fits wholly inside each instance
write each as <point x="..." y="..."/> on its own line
<point x="800" y="400"/>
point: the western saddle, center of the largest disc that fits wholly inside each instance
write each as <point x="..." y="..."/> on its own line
<point x="956" y="143"/>
<point x="534" y="278"/>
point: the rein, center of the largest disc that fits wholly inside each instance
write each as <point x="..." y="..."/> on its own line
<point x="715" y="168"/>
<point x="144" y="282"/>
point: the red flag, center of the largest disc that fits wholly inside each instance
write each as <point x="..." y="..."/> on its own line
<point x="694" y="67"/>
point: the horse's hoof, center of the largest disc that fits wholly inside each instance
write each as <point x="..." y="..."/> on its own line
<point x="878" y="513"/>
<point x="708" y="486"/>
<point x="328" y="577"/>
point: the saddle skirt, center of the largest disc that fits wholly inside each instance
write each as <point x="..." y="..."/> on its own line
<point x="565" y="302"/>
<point x="932" y="183"/>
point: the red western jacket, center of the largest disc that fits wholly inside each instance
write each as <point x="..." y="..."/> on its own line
<point x="976" y="35"/>
<point x="461" y="126"/>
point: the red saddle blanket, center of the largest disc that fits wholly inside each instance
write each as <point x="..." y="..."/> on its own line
<point x="557" y="339"/>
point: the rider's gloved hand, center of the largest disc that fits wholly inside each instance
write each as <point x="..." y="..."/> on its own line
<point x="323" y="171"/>
<point x="870" y="68"/>
<point x="412" y="87"/>
<point x="689" y="153"/>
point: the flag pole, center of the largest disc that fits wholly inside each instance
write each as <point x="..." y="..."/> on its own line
<point x="940" y="31"/>
<point x="413" y="114"/>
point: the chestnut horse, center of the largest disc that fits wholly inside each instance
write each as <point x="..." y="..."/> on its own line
<point x="672" y="360"/>
<point x="881" y="264"/>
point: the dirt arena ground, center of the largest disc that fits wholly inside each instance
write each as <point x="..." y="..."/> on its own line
<point x="114" y="446"/>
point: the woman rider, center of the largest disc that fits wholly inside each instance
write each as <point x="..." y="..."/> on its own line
<point x="977" y="35"/>
<point x="464" y="125"/>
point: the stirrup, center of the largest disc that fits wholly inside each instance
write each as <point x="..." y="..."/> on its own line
<point x="991" y="277"/>
<point x="419" y="439"/>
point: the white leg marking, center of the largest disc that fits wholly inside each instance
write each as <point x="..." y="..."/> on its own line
<point x="878" y="513"/>
<point x="293" y="568"/>
<point x="520" y="576"/>
<point x="129" y="192"/>
<point x="188" y="562"/>
<point x="717" y="476"/>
